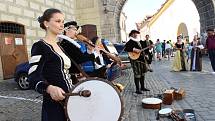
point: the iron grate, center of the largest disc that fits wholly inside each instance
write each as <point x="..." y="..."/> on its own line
<point x="12" y="28"/>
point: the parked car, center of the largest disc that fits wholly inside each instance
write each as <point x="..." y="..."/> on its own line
<point x="121" y="53"/>
<point x="21" y="75"/>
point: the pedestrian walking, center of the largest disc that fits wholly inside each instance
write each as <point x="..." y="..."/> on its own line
<point x="158" y="48"/>
<point x="147" y="43"/>
<point x="210" y="46"/>
<point x="164" y="48"/>
<point x="168" y="50"/>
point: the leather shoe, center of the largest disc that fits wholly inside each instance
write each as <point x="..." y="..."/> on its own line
<point x="138" y="92"/>
<point x="150" y="70"/>
<point x="145" y="89"/>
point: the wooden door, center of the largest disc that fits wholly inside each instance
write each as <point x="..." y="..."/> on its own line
<point x="7" y="58"/>
<point x="89" y="31"/>
<point x="20" y="53"/>
<point x="13" y="52"/>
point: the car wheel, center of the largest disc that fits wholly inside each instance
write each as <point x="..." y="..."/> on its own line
<point x="22" y="81"/>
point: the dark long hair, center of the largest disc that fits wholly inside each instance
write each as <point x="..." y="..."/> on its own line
<point x="48" y="13"/>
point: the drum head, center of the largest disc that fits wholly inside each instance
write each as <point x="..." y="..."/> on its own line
<point x="165" y="111"/>
<point x="104" y="103"/>
<point x="151" y="101"/>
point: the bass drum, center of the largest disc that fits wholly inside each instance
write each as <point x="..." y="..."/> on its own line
<point x="104" y="103"/>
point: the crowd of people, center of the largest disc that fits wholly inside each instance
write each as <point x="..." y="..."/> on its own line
<point x="54" y="62"/>
<point x="187" y="55"/>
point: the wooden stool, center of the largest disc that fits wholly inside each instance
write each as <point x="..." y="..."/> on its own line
<point x="168" y="97"/>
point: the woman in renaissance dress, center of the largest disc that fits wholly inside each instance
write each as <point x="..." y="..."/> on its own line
<point x="196" y="55"/>
<point x="180" y="61"/>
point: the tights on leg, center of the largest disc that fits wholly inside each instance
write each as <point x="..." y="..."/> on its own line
<point x="142" y="80"/>
<point x="136" y="81"/>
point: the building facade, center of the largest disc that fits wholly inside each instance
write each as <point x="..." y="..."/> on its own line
<point x="19" y="29"/>
<point x="123" y="32"/>
<point x="175" y="17"/>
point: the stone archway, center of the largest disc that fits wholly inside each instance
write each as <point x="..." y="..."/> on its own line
<point x="182" y="30"/>
<point x="206" y="10"/>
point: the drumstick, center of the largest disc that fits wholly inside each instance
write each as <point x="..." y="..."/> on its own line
<point x="84" y="93"/>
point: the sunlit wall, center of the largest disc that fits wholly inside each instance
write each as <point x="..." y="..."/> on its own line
<point x="166" y="26"/>
<point x="123" y="27"/>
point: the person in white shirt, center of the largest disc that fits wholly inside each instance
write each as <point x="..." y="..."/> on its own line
<point x="168" y="49"/>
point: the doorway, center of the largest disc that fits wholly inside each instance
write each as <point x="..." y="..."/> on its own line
<point x="13" y="50"/>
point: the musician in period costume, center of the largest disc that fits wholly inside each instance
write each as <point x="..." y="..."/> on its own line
<point x="49" y="67"/>
<point x="73" y="51"/>
<point x="102" y="61"/>
<point x="138" y="65"/>
<point x="196" y="55"/>
<point x="148" y="52"/>
<point x="180" y="61"/>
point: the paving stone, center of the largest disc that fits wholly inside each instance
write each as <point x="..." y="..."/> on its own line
<point x="197" y="86"/>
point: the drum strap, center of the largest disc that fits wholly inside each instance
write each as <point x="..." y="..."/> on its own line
<point x="76" y="65"/>
<point x="79" y="68"/>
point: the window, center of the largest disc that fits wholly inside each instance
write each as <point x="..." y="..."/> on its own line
<point x="12" y="28"/>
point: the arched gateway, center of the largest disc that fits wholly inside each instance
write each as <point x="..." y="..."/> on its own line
<point x="111" y="30"/>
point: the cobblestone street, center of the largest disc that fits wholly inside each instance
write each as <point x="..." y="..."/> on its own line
<point x="199" y="87"/>
<point x="18" y="105"/>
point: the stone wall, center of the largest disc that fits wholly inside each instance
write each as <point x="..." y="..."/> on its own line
<point x="26" y="12"/>
<point x="206" y="9"/>
<point x="105" y="14"/>
<point x="88" y="12"/>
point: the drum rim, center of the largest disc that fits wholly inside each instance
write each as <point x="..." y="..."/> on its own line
<point x="99" y="79"/>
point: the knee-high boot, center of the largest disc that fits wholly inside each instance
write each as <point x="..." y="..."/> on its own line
<point x="137" y="81"/>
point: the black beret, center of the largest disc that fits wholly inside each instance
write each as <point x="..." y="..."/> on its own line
<point x="210" y="29"/>
<point x="74" y="23"/>
<point x="133" y="31"/>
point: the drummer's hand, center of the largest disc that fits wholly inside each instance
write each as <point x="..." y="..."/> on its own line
<point x="55" y="92"/>
<point x="97" y="49"/>
<point x="103" y="50"/>
<point x="136" y="50"/>
<point x="108" y="66"/>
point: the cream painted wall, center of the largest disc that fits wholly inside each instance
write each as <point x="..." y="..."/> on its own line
<point x="166" y="26"/>
<point x="123" y="27"/>
<point x="88" y="12"/>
